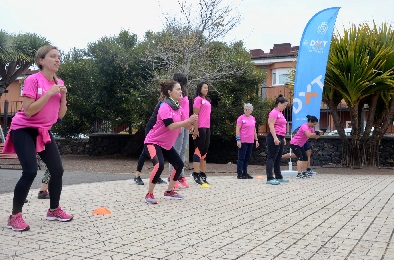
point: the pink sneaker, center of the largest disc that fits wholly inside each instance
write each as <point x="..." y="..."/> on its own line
<point x="16" y="223"/>
<point x="177" y="185"/>
<point x="172" y="195"/>
<point x="150" y="198"/>
<point x="183" y="182"/>
<point x="58" y="214"/>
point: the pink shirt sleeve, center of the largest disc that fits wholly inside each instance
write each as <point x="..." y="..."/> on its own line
<point x="273" y="114"/>
<point x="30" y="87"/>
<point x="164" y="112"/>
<point x="197" y="102"/>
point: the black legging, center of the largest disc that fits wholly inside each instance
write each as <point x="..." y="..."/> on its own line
<point x="144" y="154"/>
<point x="201" y="144"/>
<point x="157" y="155"/>
<point x="141" y="160"/>
<point x="25" y="146"/>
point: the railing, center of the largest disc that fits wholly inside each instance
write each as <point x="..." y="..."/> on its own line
<point x="13" y="107"/>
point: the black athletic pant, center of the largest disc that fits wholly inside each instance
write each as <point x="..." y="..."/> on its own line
<point x="274" y="157"/>
<point x="24" y="141"/>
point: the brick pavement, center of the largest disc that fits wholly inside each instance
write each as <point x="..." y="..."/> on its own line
<point x="329" y="216"/>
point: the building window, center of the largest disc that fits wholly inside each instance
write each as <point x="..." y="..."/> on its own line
<point x="283" y="79"/>
<point x="264" y="71"/>
<point x="280" y="76"/>
<point x="273" y="78"/>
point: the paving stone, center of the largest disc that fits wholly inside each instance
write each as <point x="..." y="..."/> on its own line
<point x="318" y="218"/>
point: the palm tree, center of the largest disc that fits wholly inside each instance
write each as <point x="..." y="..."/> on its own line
<point x="360" y="71"/>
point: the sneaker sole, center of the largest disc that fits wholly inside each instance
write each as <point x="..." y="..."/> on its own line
<point x="172" y="198"/>
<point x="269" y="183"/>
<point x="150" y="202"/>
<point x="58" y="219"/>
<point x="16" y="229"/>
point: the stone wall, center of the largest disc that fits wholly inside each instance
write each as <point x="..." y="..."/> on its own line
<point x="326" y="150"/>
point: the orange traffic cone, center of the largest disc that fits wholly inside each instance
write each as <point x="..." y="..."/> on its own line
<point x="101" y="211"/>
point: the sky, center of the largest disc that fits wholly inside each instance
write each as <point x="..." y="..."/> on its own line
<point x="75" y="23"/>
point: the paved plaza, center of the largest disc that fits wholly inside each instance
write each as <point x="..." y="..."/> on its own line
<point x="329" y="216"/>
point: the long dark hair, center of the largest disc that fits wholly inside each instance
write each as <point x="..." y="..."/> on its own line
<point x="182" y="80"/>
<point x="199" y="87"/>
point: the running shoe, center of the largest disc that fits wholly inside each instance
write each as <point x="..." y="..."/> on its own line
<point x="177" y="185"/>
<point x="273" y="182"/>
<point x="138" y="180"/>
<point x="43" y="194"/>
<point x="161" y="181"/>
<point x="172" y="195"/>
<point x="16" y="223"/>
<point x="203" y="177"/>
<point x="58" y="214"/>
<point x="196" y="177"/>
<point x="182" y="180"/>
<point x="150" y="198"/>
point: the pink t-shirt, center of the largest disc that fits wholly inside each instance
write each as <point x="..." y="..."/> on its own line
<point x="300" y="137"/>
<point x="248" y="128"/>
<point x="280" y="123"/>
<point x="184" y="102"/>
<point x="160" y="134"/>
<point x="204" y="116"/>
<point x="35" y="86"/>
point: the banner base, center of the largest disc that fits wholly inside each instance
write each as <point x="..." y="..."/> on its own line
<point x="289" y="172"/>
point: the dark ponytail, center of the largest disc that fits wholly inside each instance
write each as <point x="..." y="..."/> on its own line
<point x="280" y="99"/>
<point x="312" y="119"/>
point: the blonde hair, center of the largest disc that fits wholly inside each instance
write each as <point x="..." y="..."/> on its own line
<point x="41" y="52"/>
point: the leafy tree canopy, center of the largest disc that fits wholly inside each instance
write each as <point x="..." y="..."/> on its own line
<point x="17" y="53"/>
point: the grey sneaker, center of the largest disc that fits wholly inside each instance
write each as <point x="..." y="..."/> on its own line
<point x="43" y="194"/>
<point x="161" y="181"/>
